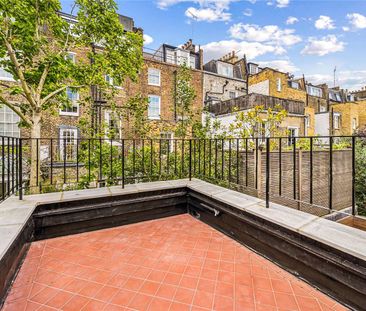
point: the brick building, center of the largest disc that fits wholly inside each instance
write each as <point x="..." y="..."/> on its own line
<point x="225" y="78"/>
<point x="156" y="82"/>
<point x="280" y="85"/>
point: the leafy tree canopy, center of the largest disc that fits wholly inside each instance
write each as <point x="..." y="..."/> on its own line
<point x="34" y="45"/>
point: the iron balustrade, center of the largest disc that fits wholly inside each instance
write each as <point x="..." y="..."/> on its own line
<point x="302" y="172"/>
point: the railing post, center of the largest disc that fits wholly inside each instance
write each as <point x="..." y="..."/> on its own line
<point x="3" y="168"/>
<point x="353" y="175"/>
<point x="190" y="159"/>
<point x="267" y="170"/>
<point x="330" y="173"/>
<point x="123" y="163"/>
<point x="20" y="185"/>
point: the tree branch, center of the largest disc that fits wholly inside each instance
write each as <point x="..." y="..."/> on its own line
<point x="58" y="91"/>
<point x="16" y="110"/>
<point x="42" y="80"/>
<point x="19" y="72"/>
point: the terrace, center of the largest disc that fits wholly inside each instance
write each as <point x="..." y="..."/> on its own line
<point x="188" y="224"/>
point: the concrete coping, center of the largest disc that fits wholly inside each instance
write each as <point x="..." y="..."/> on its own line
<point x="15" y="213"/>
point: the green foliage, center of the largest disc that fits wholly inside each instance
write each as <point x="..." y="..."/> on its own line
<point x="360" y="177"/>
<point x="257" y="121"/>
<point x="184" y="95"/>
<point x="35" y="41"/>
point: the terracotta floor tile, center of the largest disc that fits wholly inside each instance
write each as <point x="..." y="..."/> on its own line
<point x="222" y="303"/>
<point x="175" y="263"/>
<point x="206" y="285"/>
<point x="308" y="304"/>
<point x="188" y="282"/>
<point x="44" y="295"/>
<point x="286" y="301"/>
<point x="90" y="289"/>
<point x="264" y="298"/>
<point x="159" y="304"/>
<point x="94" y="305"/>
<point x="106" y="293"/>
<point x="177" y="306"/>
<point x="172" y="278"/>
<point x="184" y="295"/>
<point x="282" y="286"/>
<point x="166" y="291"/>
<point x="149" y="288"/>
<point x="75" y="303"/>
<point x="262" y="283"/>
<point x="59" y="300"/>
<point x="203" y="299"/>
<point x="123" y="297"/>
<point x="140" y="302"/>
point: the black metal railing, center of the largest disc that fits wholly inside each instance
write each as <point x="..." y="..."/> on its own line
<point x="313" y="174"/>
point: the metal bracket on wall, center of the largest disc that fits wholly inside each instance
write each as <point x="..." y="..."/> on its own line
<point x="213" y="210"/>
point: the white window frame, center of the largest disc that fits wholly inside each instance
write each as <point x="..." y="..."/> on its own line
<point x="182" y="57"/>
<point x="153" y="72"/>
<point x="13" y="122"/>
<point x="279" y="84"/>
<point x="107" y="118"/>
<point x="62" y="130"/>
<point x="336" y="120"/>
<point x="75" y="104"/>
<point x="314" y="91"/>
<point x="171" y="143"/>
<point x="192" y="61"/>
<point x="225" y="69"/>
<point x="154" y="117"/>
<point x="108" y="79"/>
<point x="232" y="92"/>
<point x="290" y="137"/>
<point x="354" y="124"/>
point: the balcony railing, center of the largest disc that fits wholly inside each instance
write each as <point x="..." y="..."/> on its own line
<point x="313" y="174"/>
<point x="250" y="101"/>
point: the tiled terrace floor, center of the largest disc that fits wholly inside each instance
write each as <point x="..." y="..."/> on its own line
<point x="176" y="263"/>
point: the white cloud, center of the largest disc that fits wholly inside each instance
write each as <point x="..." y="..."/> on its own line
<point x="324" y="22"/>
<point x="148" y="39"/>
<point x="357" y="20"/>
<point x="248" y="12"/>
<point x="346" y="28"/>
<point x="270" y="34"/>
<point x="279" y="3"/>
<point x="215" y="50"/>
<point x="163" y="4"/>
<point x="208" y="14"/>
<point x="208" y="10"/>
<point x="323" y="46"/>
<point x="348" y="79"/>
<point x="280" y="64"/>
<point x="282" y="3"/>
<point x="291" y="20"/>
<point x="252" y="1"/>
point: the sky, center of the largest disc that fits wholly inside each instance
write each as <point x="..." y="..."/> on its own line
<point x="303" y="37"/>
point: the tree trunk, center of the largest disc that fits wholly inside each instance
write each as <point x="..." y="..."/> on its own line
<point x="35" y="161"/>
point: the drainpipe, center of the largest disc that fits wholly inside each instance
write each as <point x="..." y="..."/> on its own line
<point x="175" y="98"/>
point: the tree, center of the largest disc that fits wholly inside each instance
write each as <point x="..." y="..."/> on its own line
<point x="184" y="95"/>
<point x="257" y="122"/>
<point x="34" y="44"/>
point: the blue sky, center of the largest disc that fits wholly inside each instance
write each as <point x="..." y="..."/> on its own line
<point x="307" y="37"/>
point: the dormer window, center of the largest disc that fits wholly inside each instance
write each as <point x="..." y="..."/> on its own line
<point x="314" y="91"/>
<point x="294" y="84"/>
<point x="253" y="69"/>
<point x="225" y="69"/>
